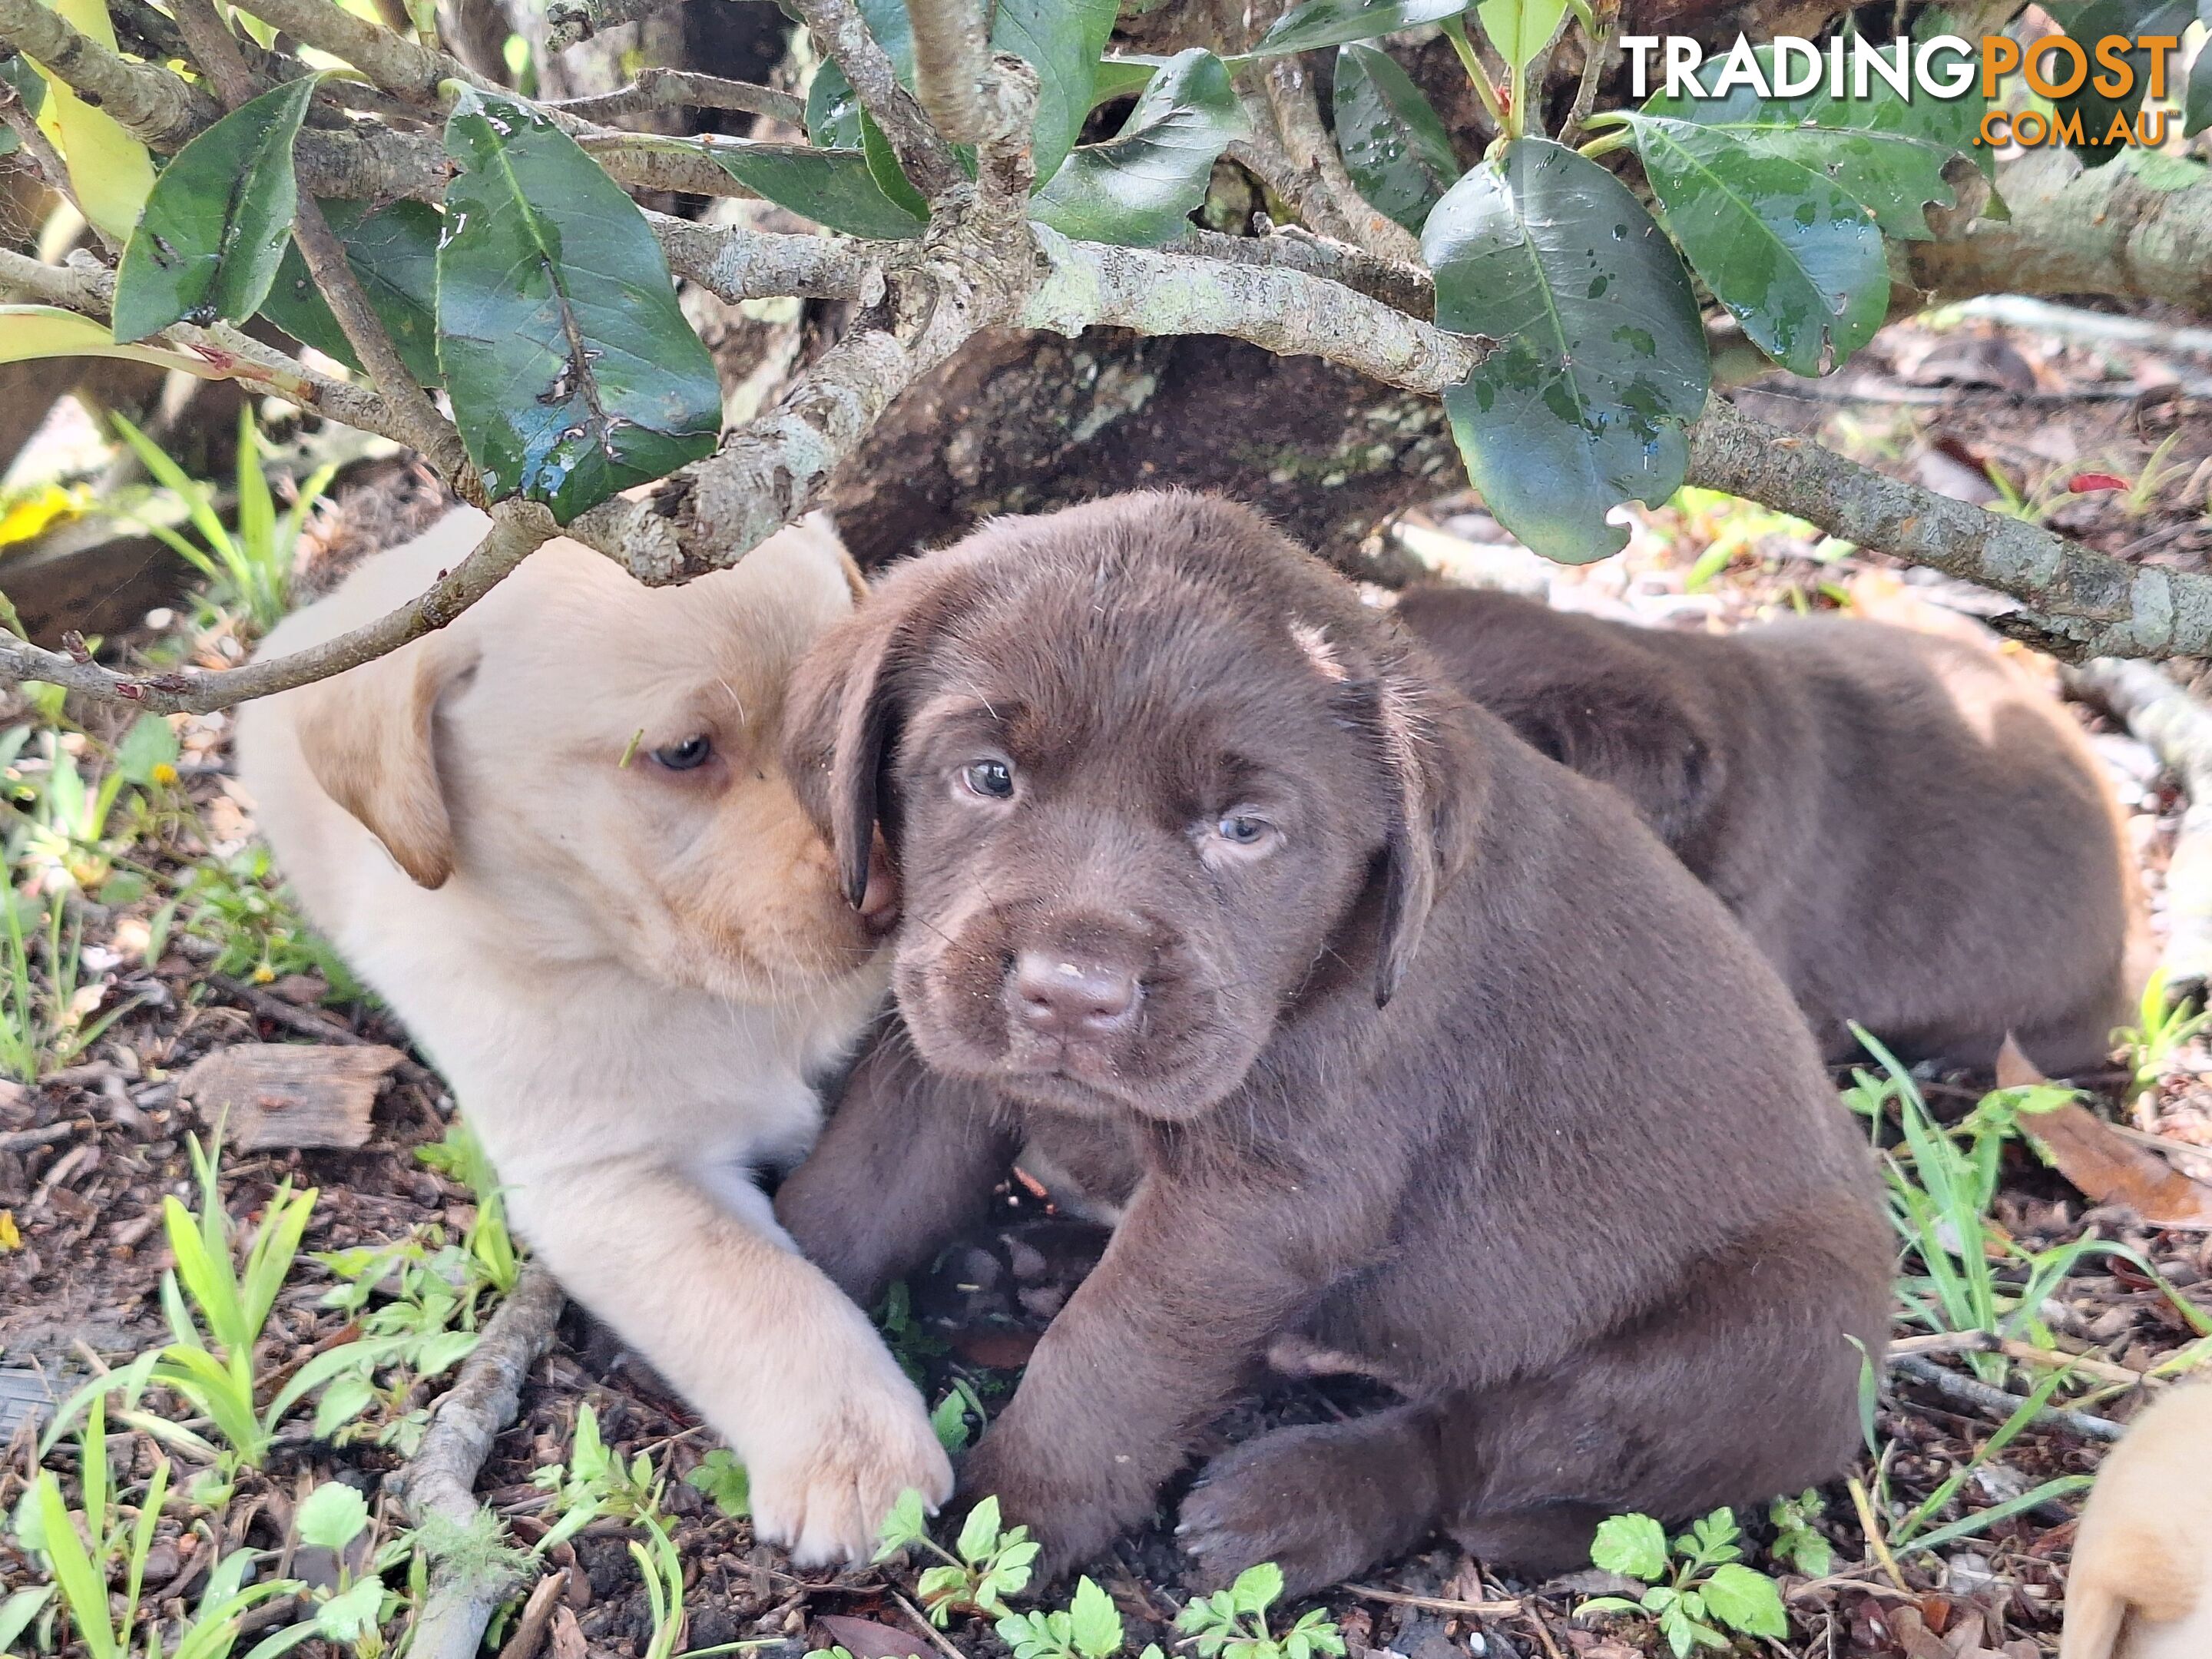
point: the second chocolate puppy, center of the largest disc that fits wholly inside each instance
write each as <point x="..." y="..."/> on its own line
<point x="1174" y="814"/>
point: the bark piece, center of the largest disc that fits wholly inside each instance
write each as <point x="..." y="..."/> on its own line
<point x="290" y="1094"/>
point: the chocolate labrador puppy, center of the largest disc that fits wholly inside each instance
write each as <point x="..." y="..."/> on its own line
<point x="1439" y="1067"/>
<point x="1917" y="836"/>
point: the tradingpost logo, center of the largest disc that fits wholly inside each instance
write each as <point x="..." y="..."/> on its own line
<point x="1946" y="67"/>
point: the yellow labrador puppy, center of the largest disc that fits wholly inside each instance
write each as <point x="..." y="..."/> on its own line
<point x="2140" y="1584"/>
<point x="556" y="838"/>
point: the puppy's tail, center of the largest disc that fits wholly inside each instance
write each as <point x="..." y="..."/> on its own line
<point x="2095" y="1614"/>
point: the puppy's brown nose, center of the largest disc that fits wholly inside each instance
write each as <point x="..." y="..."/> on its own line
<point x="1060" y="998"/>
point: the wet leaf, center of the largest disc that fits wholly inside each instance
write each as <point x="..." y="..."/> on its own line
<point x="1139" y="187"/>
<point x="208" y="243"/>
<point x="833" y="187"/>
<point x="833" y="112"/>
<point x="111" y="172"/>
<point x="572" y="372"/>
<point x="1786" y="249"/>
<point x="1880" y="150"/>
<point x="1602" y="355"/>
<point x="2110" y="1170"/>
<point x="1520" y="28"/>
<point x="1332" y="22"/>
<point x="393" y="251"/>
<point x="1395" y="144"/>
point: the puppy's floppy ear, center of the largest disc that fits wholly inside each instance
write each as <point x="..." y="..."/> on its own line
<point x="1437" y="771"/>
<point x="1635" y="736"/>
<point x="843" y="708"/>
<point x="369" y="737"/>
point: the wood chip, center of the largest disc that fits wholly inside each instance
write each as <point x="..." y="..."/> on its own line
<point x="290" y="1094"/>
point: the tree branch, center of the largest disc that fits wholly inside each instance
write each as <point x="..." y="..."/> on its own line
<point x="838" y="29"/>
<point x="518" y="529"/>
<point x="1313" y="161"/>
<point x="952" y="56"/>
<point x="153" y="105"/>
<point x="736" y="264"/>
<point x="669" y="88"/>
<point x="1403" y="287"/>
<point x="2076" y="603"/>
<point x="402" y="66"/>
<point x="569" y="21"/>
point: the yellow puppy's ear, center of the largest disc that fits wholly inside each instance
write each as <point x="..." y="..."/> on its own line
<point x="369" y="737"/>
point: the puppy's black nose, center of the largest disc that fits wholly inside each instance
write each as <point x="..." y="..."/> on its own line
<point x="1060" y="998"/>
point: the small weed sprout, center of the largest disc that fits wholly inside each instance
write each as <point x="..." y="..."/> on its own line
<point x="989" y="1566"/>
<point x="461" y="1157"/>
<point x="1797" y="1543"/>
<point x="724" y="1481"/>
<point x="1698" y="1594"/>
<point x="1232" y="1624"/>
<point x="238" y="906"/>
<point x="1090" y="1628"/>
<point x="2150" y="1044"/>
<point x="596" y="1482"/>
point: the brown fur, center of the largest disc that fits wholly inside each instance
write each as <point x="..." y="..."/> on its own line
<point x="1916" y="835"/>
<point x="1579" y="1187"/>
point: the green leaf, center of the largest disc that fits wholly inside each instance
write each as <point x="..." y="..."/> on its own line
<point x="214" y="228"/>
<point x="1332" y="22"/>
<point x="907" y="1523"/>
<point x="31" y="87"/>
<point x="884" y="168"/>
<point x="332" y="1516"/>
<point x="833" y="187"/>
<point x="2089" y="21"/>
<point x="833" y="112"/>
<point x="1395" y="144"/>
<point x="724" y="1479"/>
<point x="1520" y="28"/>
<point x="1876" y="148"/>
<point x="950" y="1420"/>
<point x="1119" y="75"/>
<point x="350" y="1617"/>
<point x="17" y="1612"/>
<point x="1633" y="1546"/>
<point x="150" y="742"/>
<point x="84" y="1588"/>
<point x="979" y="1533"/>
<point x="2155" y="170"/>
<point x="1786" y="249"/>
<point x="345" y="1398"/>
<point x="2196" y="100"/>
<point x="1062" y="40"/>
<point x="1138" y="187"/>
<point x="572" y="372"/>
<point x="1256" y="1588"/>
<point x="1601" y="355"/>
<point x="1094" y="1622"/>
<point x="1746" y="1600"/>
<point x="393" y="251"/>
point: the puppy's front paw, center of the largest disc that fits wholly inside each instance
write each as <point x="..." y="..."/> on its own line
<point x="822" y="1495"/>
<point x="1310" y="1500"/>
<point x="1073" y="1518"/>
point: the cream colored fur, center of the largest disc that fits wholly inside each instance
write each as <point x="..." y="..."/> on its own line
<point x="630" y="975"/>
<point x="2140" y="1584"/>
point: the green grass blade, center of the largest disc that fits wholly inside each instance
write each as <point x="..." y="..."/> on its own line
<point x="92" y="1467"/>
<point x="84" y="1588"/>
<point x="1967" y="1526"/>
<point x="173" y="478"/>
<point x="141" y="1540"/>
<point x="207" y="1277"/>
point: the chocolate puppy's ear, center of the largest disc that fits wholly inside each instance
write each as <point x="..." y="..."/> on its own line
<point x="1436" y="771"/>
<point x="844" y="701"/>
<point x="1648" y="745"/>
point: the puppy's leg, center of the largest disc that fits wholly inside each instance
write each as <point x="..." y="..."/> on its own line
<point x="1321" y="1502"/>
<point x="777" y="1358"/>
<point x="1744" y="1387"/>
<point x="1146" y="1352"/>
<point x="905" y="1165"/>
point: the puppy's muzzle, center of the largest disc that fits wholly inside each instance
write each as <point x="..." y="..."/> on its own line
<point x="1071" y="998"/>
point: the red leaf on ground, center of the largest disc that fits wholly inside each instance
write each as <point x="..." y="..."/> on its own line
<point x="2083" y="483"/>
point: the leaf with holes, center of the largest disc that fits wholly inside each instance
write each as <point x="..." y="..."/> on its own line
<point x="1332" y="22"/>
<point x="213" y="231"/>
<point x="572" y="372"/>
<point x="1601" y="357"/>
<point x="1139" y="187"/>
<point x="835" y="188"/>
<point x="1395" y="144"/>
<point x="1869" y="146"/>
<point x="1786" y="249"/>
<point x="393" y="251"/>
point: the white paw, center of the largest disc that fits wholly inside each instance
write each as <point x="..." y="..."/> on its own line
<point x="824" y="1498"/>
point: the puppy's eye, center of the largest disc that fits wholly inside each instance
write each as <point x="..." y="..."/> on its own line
<point x="684" y="757"/>
<point x="1242" y="830"/>
<point x="994" y="780"/>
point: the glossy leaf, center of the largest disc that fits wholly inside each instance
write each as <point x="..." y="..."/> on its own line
<point x="1063" y="41"/>
<point x="31" y="332"/>
<point x="2089" y="21"/>
<point x="18" y="73"/>
<point x="1601" y="355"/>
<point x="1121" y="76"/>
<point x="215" y="228"/>
<point x="884" y="168"/>
<point x="1395" y="145"/>
<point x="1520" y="28"/>
<point x="833" y="187"/>
<point x="833" y="112"/>
<point x="1786" y="249"/>
<point x="572" y="372"/>
<point x="393" y="251"/>
<point x="1139" y="187"/>
<point x="111" y="172"/>
<point x="1334" y="23"/>
<point x="1877" y="149"/>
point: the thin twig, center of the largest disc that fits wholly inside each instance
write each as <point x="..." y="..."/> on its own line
<point x="22" y="1140"/>
<point x="1313" y="156"/>
<point x="1595" y="52"/>
<point x="154" y="105"/>
<point x="1997" y="1402"/>
<point x="670" y="88"/>
<point x="1435" y="1604"/>
<point x="2026" y="1353"/>
<point x="938" y="1637"/>
<point x="1403" y="287"/>
<point x="839" y="30"/>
